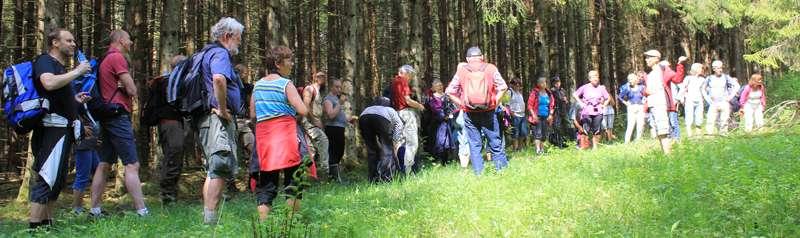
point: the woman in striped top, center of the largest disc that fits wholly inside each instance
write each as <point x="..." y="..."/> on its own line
<point x="274" y="106"/>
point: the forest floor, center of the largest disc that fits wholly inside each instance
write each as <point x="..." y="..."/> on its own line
<point x="737" y="185"/>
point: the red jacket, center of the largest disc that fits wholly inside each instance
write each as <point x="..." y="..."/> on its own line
<point x="533" y="103"/>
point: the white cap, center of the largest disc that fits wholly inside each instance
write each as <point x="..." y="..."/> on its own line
<point x="653" y="53"/>
<point x="716" y="64"/>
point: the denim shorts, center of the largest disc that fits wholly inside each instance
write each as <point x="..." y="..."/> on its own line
<point x="118" y="140"/>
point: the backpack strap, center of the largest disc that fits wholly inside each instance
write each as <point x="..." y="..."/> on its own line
<point x="99" y="64"/>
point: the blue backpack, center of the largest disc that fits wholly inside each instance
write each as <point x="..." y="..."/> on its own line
<point x="101" y="109"/>
<point x="23" y="105"/>
<point x="186" y="89"/>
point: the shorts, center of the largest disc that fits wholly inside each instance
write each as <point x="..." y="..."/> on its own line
<point x="540" y="129"/>
<point x="118" y="141"/>
<point x="44" y="144"/>
<point x="592" y="124"/>
<point x="520" y="125"/>
<point x="660" y="120"/>
<point x="266" y="185"/>
<point x="608" y="122"/>
<point x="218" y="142"/>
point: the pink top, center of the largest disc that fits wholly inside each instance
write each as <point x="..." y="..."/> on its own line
<point x="746" y="93"/>
<point x="593" y="97"/>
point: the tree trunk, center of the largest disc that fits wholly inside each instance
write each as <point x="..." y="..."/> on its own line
<point x="191" y="23"/>
<point x="334" y="40"/>
<point x="170" y="38"/>
<point x="102" y="26"/>
<point x="445" y="53"/>
<point x="53" y="14"/>
<point x="427" y="40"/>
<point x="580" y="47"/>
<point x="313" y="36"/>
<point x="141" y="56"/>
<point x="300" y="26"/>
<point x="373" y="55"/>
<point x="470" y="24"/>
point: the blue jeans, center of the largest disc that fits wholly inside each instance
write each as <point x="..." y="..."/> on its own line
<point x="674" y="128"/>
<point x="486" y="122"/>
<point x="85" y="163"/>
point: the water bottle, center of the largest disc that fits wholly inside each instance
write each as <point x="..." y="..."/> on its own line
<point x="80" y="57"/>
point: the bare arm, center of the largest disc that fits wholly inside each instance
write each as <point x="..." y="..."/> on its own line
<point x="128" y="84"/>
<point x="52" y="82"/>
<point x="220" y="92"/>
<point x="577" y="98"/>
<point x="414" y="104"/>
<point x="295" y="100"/>
<point x="307" y="96"/>
<point x="252" y="108"/>
<point x="330" y="110"/>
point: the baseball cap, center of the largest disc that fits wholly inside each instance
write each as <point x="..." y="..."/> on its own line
<point x="474" y="52"/>
<point x="653" y="53"/>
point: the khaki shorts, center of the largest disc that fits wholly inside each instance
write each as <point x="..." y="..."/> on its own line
<point x="218" y="141"/>
<point x="660" y="120"/>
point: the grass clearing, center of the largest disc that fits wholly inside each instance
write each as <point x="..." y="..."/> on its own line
<point x="741" y="185"/>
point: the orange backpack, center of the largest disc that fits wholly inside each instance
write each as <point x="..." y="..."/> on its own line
<point x="477" y="85"/>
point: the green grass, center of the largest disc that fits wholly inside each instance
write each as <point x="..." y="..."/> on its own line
<point x="743" y="185"/>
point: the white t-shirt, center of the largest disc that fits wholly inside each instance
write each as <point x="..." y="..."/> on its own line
<point x="655" y="87"/>
<point x="693" y="89"/>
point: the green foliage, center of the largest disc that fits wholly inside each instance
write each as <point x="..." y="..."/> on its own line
<point x="775" y="36"/>
<point x="708" y="187"/>
<point x="782" y="89"/>
<point x="508" y="12"/>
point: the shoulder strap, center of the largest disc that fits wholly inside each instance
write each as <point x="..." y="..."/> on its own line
<point x="100" y="91"/>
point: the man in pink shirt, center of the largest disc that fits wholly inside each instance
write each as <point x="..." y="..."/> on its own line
<point x="117" y="88"/>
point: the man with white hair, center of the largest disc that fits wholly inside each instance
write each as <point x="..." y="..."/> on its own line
<point x="718" y="90"/>
<point x="407" y="107"/>
<point x="477" y="88"/>
<point x="217" y="128"/>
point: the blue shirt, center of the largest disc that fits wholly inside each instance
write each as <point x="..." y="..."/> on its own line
<point x="217" y="60"/>
<point x="544" y="105"/>
<point x="634" y="96"/>
<point x="270" y="99"/>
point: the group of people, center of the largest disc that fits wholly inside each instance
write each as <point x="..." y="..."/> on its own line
<point x="652" y="98"/>
<point x="297" y="129"/>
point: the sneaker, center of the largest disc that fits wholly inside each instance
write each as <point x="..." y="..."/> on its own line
<point x="210" y="218"/>
<point x="143" y="212"/>
<point x="78" y="210"/>
<point x="100" y="215"/>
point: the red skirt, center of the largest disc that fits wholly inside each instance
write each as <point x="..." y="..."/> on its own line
<point x="276" y="143"/>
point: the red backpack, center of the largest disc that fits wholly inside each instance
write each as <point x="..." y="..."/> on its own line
<point x="477" y="87"/>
